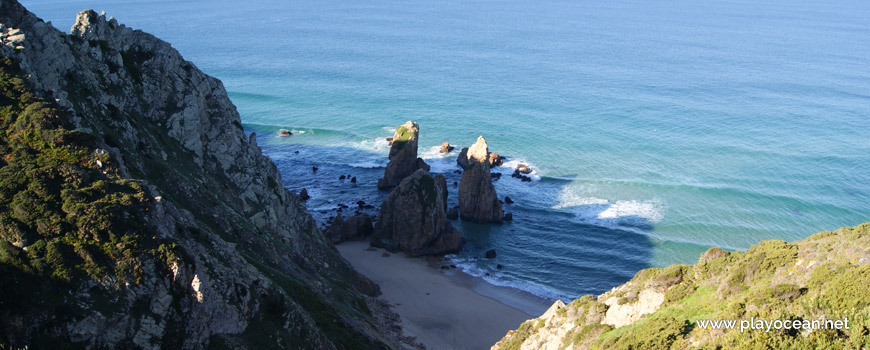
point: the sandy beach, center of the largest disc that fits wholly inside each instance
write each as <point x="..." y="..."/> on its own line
<point x="444" y="309"/>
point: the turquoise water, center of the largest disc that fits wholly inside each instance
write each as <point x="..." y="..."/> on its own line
<point x="656" y="129"/>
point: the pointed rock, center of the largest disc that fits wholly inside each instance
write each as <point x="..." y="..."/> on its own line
<point x="403" y="156"/>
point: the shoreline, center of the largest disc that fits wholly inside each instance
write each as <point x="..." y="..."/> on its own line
<point x="443" y="309"/>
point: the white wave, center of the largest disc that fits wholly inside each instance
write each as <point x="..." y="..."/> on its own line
<point x="603" y="212"/>
<point x="434" y="152"/>
<point x="377" y="144"/>
<point x="497" y="278"/>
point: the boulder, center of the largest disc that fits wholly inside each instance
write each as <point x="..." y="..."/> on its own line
<point x="446" y="147"/>
<point x="284" y="133"/>
<point x="509" y="217"/>
<point x="413" y="219"/>
<point x="524" y="169"/>
<point x="508" y="200"/>
<point x="355" y="227"/>
<point x="495" y="160"/>
<point x="478" y="200"/>
<point x="403" y="156"/>
<point x="303" y="194"/>
<point x="490" y="254"/>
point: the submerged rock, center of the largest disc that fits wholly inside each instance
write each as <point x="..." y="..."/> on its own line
<point x="403" y="156"/>
<point x="478" y="200"/>
<point x="413" y="219"/>
<point x="490" y="254"/>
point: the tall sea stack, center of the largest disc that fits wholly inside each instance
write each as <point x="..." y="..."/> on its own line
<point x="403" y="156"/>
<point x="478" y="201"/>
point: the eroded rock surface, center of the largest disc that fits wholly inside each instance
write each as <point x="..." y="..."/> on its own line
<point x="403" y="156"/>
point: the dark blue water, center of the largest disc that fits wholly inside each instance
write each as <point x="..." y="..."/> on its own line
<point x="656" y="129"/>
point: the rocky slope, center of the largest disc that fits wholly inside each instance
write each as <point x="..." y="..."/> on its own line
<point x="136" y="213"/>
<point x="826" y="276"/>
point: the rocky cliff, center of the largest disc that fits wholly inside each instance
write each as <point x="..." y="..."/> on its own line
<point x="824" y="277"/>
<point x="136" y="213"/>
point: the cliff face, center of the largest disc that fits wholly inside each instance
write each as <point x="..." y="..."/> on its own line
<point x="135" y="212"/>
<point x="826" y="276"/>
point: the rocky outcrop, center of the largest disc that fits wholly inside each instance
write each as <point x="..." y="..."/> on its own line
<point x="773" y="280"/>
<point x="478" y="200"/>
<point x="358" y="226"/>
<point x="403" y="156"/>
<point x="210" y="247"/>
<point x="479" y="151"/>
<point x="446" y="147"/>
<point x="413" y="218"/>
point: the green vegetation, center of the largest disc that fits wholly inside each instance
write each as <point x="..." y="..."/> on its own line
<point x="402" y="136"/>
<point x="66" y="216"/>
<point x="826" y="276"/>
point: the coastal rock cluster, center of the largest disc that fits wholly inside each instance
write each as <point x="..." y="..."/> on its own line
<point x="220" y="252"/>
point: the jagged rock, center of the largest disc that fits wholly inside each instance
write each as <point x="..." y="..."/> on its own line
<point x="499" y="266"/>
<point x="403" y="156"/>
<point x="442" y="182"/>
<point x="490" y="254"/>
<point x="413" y="219"/>
<point x="462" y="158"/>
<point x="523" y="169"/>
<point x="508" y="217"/>
<point x="508" y="200"/>
<point x="314" y="169"/>
<point x="342" y="177"/>
<point x="353" y="180"/>
<point x="478" y="200"/>
<point x="495" y="176"/>
<point x="303" y="194"/>
<point x="446" y="147"/>
<point x="284" y="133"/>
<point x="355" y="227"/>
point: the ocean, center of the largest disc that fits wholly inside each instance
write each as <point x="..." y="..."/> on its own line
<point x="655" y="129"/>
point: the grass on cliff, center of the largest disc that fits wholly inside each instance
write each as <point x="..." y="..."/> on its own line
<point x="65" y="214"/>
<point x="826" y="276"/>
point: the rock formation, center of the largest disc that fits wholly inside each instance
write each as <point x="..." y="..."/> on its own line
<point x="158" y="223"/>
<point x="478" y="200"/>
<point x="355" y="227"/>
<point x="403" y="156"/>
<point x="413" y="219"/>
<point x="479" y="151"/>
<point x="446" y="147"/>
